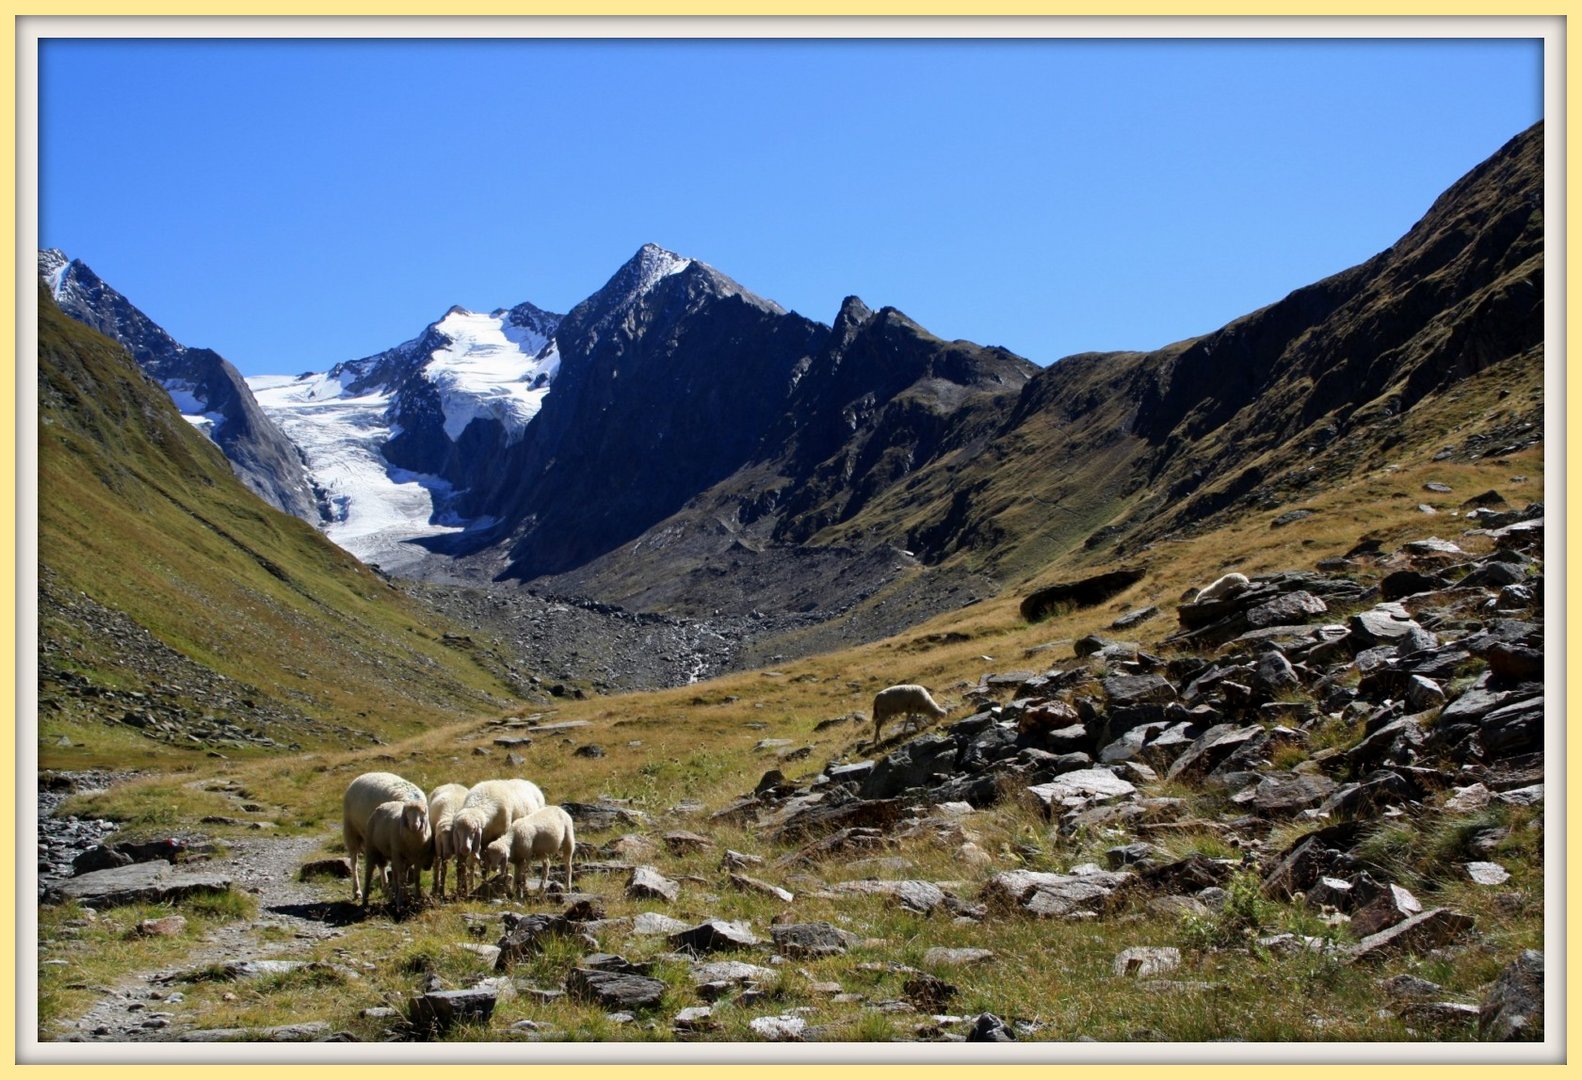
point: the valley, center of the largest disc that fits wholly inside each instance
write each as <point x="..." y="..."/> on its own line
<point x="659" y="553"/>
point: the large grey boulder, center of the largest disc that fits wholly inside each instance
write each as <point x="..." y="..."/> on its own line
<point x="137" y="883"/>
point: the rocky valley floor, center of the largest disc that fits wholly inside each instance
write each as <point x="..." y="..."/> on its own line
<point x="1311" y="809"/>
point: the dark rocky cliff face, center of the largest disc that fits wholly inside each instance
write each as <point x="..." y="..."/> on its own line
<point x="666" y="387"/>
<point x="260" y="454"/>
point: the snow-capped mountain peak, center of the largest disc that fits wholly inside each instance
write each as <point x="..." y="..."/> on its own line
<point x="52" y="264"/>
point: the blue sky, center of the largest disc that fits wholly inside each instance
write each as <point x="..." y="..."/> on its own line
<point x="292" y="204"/>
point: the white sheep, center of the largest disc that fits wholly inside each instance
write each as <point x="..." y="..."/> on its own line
<point x="443" y="803"/>
<point x="362" y="795"/>
<point x="906" y="700"/>
<point x="540" y="835"/>
<point x="398" y="836"/>
<point x="486" y="813"/>
<point x="1222" y="587"/>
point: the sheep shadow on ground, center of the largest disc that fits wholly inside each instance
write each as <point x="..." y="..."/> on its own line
<point x="340" y="912"/>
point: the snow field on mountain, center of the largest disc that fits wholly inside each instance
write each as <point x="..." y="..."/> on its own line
<point x="376" y="507"/>
<point x="491" y="370"/>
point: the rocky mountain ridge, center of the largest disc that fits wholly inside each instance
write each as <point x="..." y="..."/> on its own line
<point x="210" y="392"/>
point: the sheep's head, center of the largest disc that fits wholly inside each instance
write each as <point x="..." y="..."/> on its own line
<point x="414" y="819"/>
<point x="466" y="835"/>
<point x="497" y="854"/>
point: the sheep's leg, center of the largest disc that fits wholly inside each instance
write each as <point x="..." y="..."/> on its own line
<point x="356" y="892"/>
<point x="568" y="873"/>
<point x="368" y="878"/>
<point x="543" y="888"/>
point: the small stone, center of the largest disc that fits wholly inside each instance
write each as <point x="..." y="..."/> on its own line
<point x="786" y="1028"/>
<point x="946" y="957"/>
<point x="169" y="926"/>
<point x="647" y="883"/>
<point x="1145" y="961"/>
<point x="1488" y="873"/>
<point x="681" y="842"/>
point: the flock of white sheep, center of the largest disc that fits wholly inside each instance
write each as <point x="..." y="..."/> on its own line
<point x="399" y="832"/>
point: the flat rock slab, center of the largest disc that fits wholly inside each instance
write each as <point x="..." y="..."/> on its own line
<point x="920" y="896"/>
<point x="1146" y="961"/>
<point x="812" y="939"/>
<point x="312" y="1031"/>
<point x="714" y="935"/>
<point x="137" y="883"/>
<point x="653" y="924"/>
<point x="943" y="957"/>
<point x="1286" y="795"/>
<point x="614" y="989"/>
<point x="1383" y="623"/>
<point x="559" y="725"/>
<point x="1488" y="873"/>
<point x="1077" y="789"/>
<point x="1417" y="934"/>
<point x="438" y="1010"/>
<point x="779" y="1028"/>
<point x="596" y="817"/>
<point x="1054" y="895"/>
<point x="525" y="936"/>
<point x="647" y="883"/>
<point x="1131" y="690"/>
<point x="752" y="884"/>
<point x="733" y="971"/>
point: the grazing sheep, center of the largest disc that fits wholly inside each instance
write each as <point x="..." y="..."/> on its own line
<point x="1222" y="587"/>
<point x="497" y="856"/>
<point x="906" y="700"/>
<point x="539" y="835"/>
<point x="362" y="796"/>
<point x="398" y="836"/>
<point x="443" y="802"/>
<point x="486" y="813"/>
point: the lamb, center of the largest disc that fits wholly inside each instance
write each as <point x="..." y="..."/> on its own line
<point x="398" y="836"/>
<point x="907" y="700"/>
<point x="486" y="813"/>
<point x="443" y="802"/>
<point x="362" y="795"/>
<point x="1222" y="587"/>
<point x="539" y="835"/>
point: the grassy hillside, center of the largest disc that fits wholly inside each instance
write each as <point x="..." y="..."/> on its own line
<point x="170" y="593"/>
